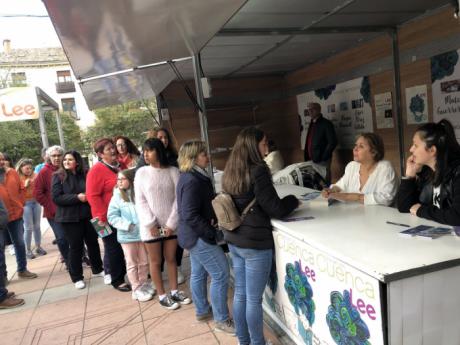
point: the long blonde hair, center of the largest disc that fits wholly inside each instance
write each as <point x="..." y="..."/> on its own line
<point x="23" y="162"/>
<point x="245" y="154"/>
<point x="188" y="153"/>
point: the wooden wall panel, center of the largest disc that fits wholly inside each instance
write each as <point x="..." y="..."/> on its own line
<point x="428" y="29"/>
<point x="342" y="62"/>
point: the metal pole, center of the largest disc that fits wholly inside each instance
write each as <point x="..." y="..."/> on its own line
<point x="41" y="121"/>
<point x="59" y="127"/>
<point x="202" y="114"/>
<point x="397" y="100"/>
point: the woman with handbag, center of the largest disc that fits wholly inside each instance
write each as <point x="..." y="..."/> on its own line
<point x="246" y="176"/>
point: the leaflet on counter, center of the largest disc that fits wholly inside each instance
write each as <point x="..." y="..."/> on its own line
<point x="426" y="231"/>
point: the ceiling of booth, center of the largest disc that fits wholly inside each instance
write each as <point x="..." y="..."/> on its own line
<point x="263" y="37"/>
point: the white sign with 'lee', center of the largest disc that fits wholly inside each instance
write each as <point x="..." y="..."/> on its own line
<point x="19" y="103"/>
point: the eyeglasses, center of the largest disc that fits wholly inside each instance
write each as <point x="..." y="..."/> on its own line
<point x="55" y="156"/>
<point x="121" y="178"/>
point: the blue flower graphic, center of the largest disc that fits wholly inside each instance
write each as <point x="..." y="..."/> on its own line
<point x="344" y="321"/>
<point x="324" y="92"/>
<point x="366" y="89"/>
<point x="417" y="106"/>
<point x="443" y="65"/>
<point x="299" y="291"/>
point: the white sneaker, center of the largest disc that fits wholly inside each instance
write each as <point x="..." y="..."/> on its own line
<point x="101" y="274"/>
<point x="107" y="279"/>
<point x="80" y="284"/>
<point x="149" y="286"/>
<point x="11" y="250"/>
<point x="180" y="276"/>
<point x="141" y="295"/>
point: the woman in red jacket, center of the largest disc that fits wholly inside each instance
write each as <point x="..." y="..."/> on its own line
<point x="100" y="182"/>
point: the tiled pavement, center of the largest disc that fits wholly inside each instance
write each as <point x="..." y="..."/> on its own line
<point x="57" y="313"/>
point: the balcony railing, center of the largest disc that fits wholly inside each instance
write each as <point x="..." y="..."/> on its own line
<point x="63" y="87"/>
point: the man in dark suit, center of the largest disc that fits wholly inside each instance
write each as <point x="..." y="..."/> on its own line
<point x="320" y="142"/>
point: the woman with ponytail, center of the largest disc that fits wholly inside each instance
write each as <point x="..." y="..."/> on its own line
<point x="431" y="187"/>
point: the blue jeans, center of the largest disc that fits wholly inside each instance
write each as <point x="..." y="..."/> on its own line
<point x="16" y="231"/>
<point x="209" y="259"/>
<point x="252" y="269"/>
<point x="61" y="241"/>
<point x="3" y="290"/>
<point x="32" y="219"/>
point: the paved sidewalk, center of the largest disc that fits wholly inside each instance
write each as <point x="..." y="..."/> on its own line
<point x="57" y="313"/>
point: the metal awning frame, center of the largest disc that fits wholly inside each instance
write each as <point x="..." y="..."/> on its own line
<point x="45" y="103"/>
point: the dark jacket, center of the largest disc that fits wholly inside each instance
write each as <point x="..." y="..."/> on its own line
<point x="323" y="142"/>
<point x="69" y="208"/>
<point x="194" y="194"/>
<point x="256" y="230"/>
<point x="420" y="190"/>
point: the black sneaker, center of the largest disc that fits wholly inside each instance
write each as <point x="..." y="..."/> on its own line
<point x="181" y="298"/>
<point x="168" y="303"/>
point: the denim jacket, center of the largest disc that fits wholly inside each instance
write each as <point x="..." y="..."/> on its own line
<point x="121" y="215"/>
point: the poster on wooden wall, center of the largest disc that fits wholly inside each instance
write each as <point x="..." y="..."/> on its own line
<point x="383" y="110"/>
<point x="346" y="104"/>
<point x="416" y="104"/>
<point x="445" y="79"/>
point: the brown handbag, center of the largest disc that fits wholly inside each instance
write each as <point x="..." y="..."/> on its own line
<point x="228" y="217"/>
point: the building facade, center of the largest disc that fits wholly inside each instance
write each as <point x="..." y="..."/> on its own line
<point x="49" y="69"/>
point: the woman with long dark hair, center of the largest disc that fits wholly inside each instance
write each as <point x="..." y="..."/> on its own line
<point x="431" y="187"/>
<point x="127" y="152"/>
<point x="164" y="136"/>
<point x="247" y="177"/>
<point x="155" y="195"/>
<point x="74" y="214"/>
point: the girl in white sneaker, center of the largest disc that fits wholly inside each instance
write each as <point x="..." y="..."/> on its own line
<point x="122" y="216"/>
<point x="155" y="186"/>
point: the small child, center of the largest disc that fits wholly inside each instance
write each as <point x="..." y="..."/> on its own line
<point x="122" y="215"/>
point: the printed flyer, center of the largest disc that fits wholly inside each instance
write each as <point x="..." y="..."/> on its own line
<point x="320" y="300"/>
<point x="383" y="110"/>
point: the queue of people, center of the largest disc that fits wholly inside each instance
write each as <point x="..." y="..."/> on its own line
<point x="156" y="203"/>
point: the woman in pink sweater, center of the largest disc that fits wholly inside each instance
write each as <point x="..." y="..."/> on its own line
<point x="155" y="195"/>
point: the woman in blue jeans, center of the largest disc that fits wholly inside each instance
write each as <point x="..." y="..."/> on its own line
<point x="32" y="209"/>
<point x="246" y="176"/>
<point x="197" y="233"/>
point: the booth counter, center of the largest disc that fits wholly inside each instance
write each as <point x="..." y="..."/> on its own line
<point x="348" y="277"/>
